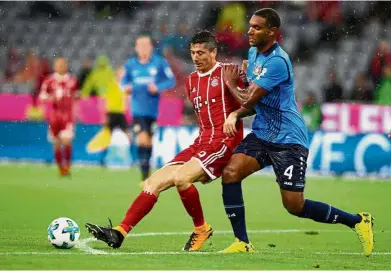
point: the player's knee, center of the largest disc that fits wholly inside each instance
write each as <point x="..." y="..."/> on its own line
<point x="143" y="139"/>
<point x="156" y="186"/>
<point x="294" y="206"/>
<point x="181" y="180"/>
<point x="230" y="175"/>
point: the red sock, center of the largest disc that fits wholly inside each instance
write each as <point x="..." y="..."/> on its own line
<point x="142" y="205"/>
<point x="191" y="200"/>
<point x="58" y="157"/>
<point x="68" y="154"/>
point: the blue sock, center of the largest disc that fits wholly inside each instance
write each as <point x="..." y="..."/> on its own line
<point x="144" y="154"/>
<point x="324" y="213"/>
<point x="234" y="207"/>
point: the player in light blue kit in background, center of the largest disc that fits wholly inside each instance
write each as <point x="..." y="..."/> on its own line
<point x="146" y="76"/>
<point x="278" y="139"/>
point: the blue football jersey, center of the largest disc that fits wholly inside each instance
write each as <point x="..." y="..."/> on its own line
<point x="139" y="76"/>
<point x="278" y="119"/>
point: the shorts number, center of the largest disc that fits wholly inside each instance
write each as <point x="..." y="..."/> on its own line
<point x="288" y="172"/>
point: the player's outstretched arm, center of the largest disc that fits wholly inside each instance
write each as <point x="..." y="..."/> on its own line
<point x="256" y="93"/>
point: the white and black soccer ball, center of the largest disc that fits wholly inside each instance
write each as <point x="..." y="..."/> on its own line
<point x="63" y="233"/>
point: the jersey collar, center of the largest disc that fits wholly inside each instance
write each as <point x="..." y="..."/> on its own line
<point x="210" y="71"/>
<point x="271" y="49"/>
<point x="61" y="77"/>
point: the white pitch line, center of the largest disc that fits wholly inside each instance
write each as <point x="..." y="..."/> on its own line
<point x="83" y="246"/>
<point x="186" y="253"/>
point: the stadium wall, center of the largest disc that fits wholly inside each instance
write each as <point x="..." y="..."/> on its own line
<point x="330" y="152"/>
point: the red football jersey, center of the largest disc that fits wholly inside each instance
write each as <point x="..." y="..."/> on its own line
<point x="61" y="88"/>
<point x="213" y="102"/>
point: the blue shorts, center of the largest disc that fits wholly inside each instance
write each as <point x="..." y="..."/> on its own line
<point x="141" y="124"/>
<point x="289" y="161"/>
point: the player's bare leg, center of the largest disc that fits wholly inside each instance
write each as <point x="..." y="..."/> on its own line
<point x="239" y="167"/>
<point x="362" y="223"/>
<point x="66" y="137"/>
<point x="184" y="178"/>
<point x="144" y="143"/>
<point x="58" y="154"/>
<point x="160" y="181"/>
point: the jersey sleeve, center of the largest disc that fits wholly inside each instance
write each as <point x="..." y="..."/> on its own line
<point x="187" y="86"/>
<point x="75" y="88"/>
<point x="166" y="78"/>
<point x="274" y="72"/>
<point x="242" y="82"/>
<point x="127" y="77"/>
<point x="45" y="88"/>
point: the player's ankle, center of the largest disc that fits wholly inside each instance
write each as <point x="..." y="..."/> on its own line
<point x="121" y="230"/>
<point x="202" y="228"/>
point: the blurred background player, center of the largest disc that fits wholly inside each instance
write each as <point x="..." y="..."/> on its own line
<point x="146" y="76"/>
<point x="103" y="82"/>
<point x="202" y="161"/>
<point x="279" y="138"/>
<point x="60" y="89"/>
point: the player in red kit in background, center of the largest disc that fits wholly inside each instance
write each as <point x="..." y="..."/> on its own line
<point x="60" y="88"/>
<point x="202" y="161"/>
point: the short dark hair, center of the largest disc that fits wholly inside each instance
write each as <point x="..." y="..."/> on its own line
<point x="207" y="37"/>
<point x="143" y="35"/>
<point x="271" y="16"/>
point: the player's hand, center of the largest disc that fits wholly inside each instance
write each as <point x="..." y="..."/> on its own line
<point x="244" y="65"/>
<point x="231" y="73"/>
<point x="152" y="88"/>
<point x="229" y="127"/>
<point x="128" y="89"/>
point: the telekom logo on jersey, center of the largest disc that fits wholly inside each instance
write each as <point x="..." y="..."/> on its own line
<point x="197" y="101"/>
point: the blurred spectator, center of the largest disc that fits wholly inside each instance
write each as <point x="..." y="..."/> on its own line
<point x="96" y="82"/>
<point x="233" y="42"/>
<point x="361" y="90"/>
<point x="13" y="64"/>
<point x="162" y="38"/>
<point x="86" y="69"/>
<point x="44" y="8"/>
<point x="231" y="27"/>
<point x="34" y="112"/>
<point x="381" y="57"/>
<point x="30" y="71"/>
<point x="383" y="91"/>
<point x="180" y="70"/>
<point x="333" y="92"/>
<point x="179" y="41"/>
<point x="311" y="112"/>
<point x="232" y="14"/>
<point x="329" y="13"/>
<point x="45" y="72"/>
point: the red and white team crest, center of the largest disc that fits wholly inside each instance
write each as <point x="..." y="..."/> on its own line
<point x="257" y="70"/>
<point x="215" y="81"/>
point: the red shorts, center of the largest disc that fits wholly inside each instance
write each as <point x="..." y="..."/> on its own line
<point x="212" y="157"/>
<point x="59" y="123"/>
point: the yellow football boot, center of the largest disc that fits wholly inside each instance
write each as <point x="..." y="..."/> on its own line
<point x="239" y="247"/>
<point x="364" y="231"/>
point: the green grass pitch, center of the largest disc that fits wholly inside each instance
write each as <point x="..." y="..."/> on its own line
<point x="32" y="196"/>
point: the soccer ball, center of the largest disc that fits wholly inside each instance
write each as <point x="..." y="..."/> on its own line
<point x="63" y="233"/>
